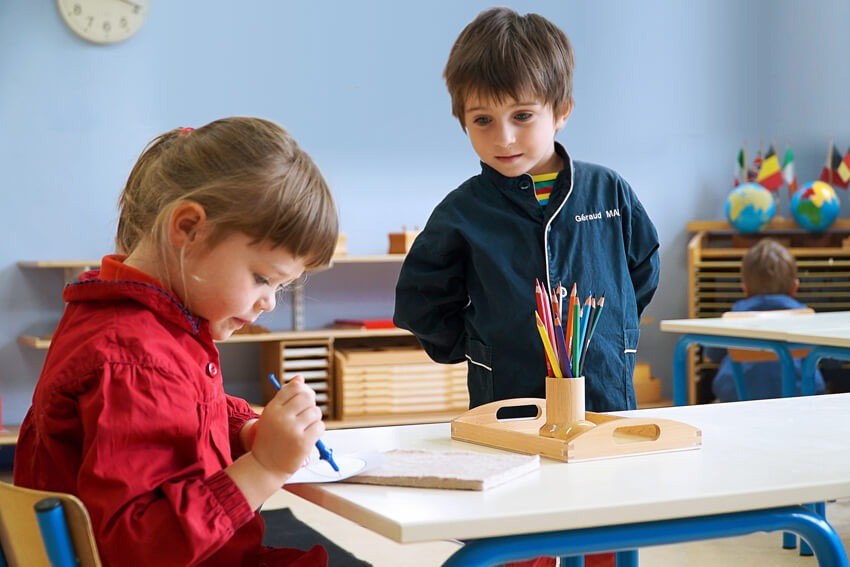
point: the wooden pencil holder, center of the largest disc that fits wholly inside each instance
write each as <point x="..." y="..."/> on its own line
<point x="565" y="408"/>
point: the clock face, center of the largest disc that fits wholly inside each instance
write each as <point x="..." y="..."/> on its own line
<point x="104" y="21"/>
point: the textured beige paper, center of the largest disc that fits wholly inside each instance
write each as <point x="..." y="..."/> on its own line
<point x="447" y="469"/>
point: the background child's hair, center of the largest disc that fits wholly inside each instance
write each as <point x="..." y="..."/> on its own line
<point x="501" y="53"/>
<point x="768" y="268"/>
<point x="248" y="174"/>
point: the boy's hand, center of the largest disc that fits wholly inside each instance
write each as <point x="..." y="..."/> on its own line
<point x="288" y="428"/>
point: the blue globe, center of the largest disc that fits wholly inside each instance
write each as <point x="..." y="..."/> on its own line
<point x="750" y="207"/>
<point x="815" y="206"/>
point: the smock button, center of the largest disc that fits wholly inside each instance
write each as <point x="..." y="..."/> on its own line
<point x="212" y="369"/>
<point x="524" y="185"/>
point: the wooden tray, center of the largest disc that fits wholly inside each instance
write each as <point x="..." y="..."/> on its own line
<point x="612" y="437"/>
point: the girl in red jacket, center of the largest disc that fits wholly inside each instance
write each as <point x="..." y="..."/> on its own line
<point x="129" y="413"/>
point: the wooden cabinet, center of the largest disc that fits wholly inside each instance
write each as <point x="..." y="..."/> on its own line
<point x="714" y="276"/>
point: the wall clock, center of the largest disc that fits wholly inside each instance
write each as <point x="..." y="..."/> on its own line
<point x="104" y="21"/>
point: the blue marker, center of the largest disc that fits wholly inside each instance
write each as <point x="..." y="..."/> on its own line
<point x="324" y="452"/>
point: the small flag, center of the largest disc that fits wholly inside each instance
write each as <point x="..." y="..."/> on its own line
<point x="753" y="172"/>
<point x="740" y="168"/>
<point x="829" y="173"/>
<point x="843" y="169"/>
<point x="788" y="174"/>
<point x="770" y="173"/>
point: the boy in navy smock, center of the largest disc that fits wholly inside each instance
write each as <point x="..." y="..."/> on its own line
<point x="769" y="280"/>
<point x="466" y="288"/>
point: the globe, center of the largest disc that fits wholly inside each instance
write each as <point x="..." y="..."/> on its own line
<point x="815" y="206"/>
<point x="749" y="207"/>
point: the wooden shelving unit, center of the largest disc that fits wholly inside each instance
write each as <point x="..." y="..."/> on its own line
<point x="310" y="352"/>
<point x="714" y="275"/>
<point x="276" y="336"/>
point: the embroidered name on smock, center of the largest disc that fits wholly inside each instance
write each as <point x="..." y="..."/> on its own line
<point x="610" y="213"/>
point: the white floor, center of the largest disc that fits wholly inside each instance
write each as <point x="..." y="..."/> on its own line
<point x="760" y="550"/>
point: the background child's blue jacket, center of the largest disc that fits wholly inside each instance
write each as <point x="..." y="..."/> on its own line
<point x="466" y="288"/>
<point x="763" y="379"/>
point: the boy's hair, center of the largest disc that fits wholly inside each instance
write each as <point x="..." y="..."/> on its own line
<point x="501" y="53"/>
<point x="768" y="268"/>
<point x="248" y="174"/>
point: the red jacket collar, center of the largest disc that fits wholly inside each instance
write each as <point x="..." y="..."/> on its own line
<point x="118" y="282"/>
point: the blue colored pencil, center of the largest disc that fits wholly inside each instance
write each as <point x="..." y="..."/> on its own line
<point x="563" y="359"/>
<point x="596" y="313"/>
<point x="585" y="320"/>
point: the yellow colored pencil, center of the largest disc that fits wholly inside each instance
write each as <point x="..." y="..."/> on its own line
<point x="547" y="346"/>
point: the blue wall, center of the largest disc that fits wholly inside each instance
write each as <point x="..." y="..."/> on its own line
<point x="666" y="91"/>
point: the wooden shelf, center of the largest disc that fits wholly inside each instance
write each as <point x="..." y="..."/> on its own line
<point x="656" y="404"/>
<point x="44" y="342"/>
<point x="9" y="434"/>
<point x="74" y="268"/>
<point x="61" y="264"/>
<point x="83" y="264"/>
<point x="779" y="223"/>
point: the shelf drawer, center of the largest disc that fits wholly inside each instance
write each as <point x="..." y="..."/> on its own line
<point x="375" y="382"/>
<point x="312" y="359"/>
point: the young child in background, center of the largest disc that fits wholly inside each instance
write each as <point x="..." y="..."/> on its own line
<point x="467" y="286"/>
<point x="769" y="280"/>
<point x="129" y="413"/>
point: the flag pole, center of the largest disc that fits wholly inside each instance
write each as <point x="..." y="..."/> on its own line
<point x="829" y="160"/>
<point x="788" y="183"/>
<point x="776" y="195"/>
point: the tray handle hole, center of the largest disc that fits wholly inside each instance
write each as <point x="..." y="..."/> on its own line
<point x="636" y="433"/>
<point x="518" y="412"/>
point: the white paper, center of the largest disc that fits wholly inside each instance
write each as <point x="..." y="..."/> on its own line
<point x="317" y="470"/>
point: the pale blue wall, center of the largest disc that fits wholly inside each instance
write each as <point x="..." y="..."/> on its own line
<point x="665" y="93"/>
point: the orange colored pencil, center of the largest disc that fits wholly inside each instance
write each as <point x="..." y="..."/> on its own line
<point x="569" y="337"/>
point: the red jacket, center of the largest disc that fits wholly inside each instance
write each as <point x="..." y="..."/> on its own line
<point x="130" y="415"/>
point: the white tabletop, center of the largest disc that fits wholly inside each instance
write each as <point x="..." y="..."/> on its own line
<point x="782" y="328"/>
<point x="755" y="455"/>
<point x="824" y="337"/>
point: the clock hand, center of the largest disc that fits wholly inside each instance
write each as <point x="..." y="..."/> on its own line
<point x="133" y="4"/>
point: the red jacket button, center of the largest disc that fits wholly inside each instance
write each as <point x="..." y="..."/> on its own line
<point x="212" y="369"/>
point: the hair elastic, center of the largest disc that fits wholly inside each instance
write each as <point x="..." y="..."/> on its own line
<point x="184" y="131"/>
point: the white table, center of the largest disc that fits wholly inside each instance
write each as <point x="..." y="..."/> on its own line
<point x="829" y="333"/>
<point x="758" y="462"/>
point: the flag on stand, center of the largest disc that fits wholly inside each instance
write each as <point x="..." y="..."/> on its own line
<point x="753" y="172"/>
<point x="843" y="169"/>
<point x="829" y="173"/>
<point x="788" y="174"/>
<point x="770" y="173"/>
<point x="740" y="168"/>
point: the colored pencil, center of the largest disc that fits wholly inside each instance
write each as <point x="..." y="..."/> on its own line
<point x="538" y="297"/>
<point x="585" y="320"/>
<point x="561" y="346"/>
<point x="570" y="307"/>
<point x="546" y="312"/>
<point x="576" y="355"/>
<point x="598" y="311"/>
<point x="552" y="360"/>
